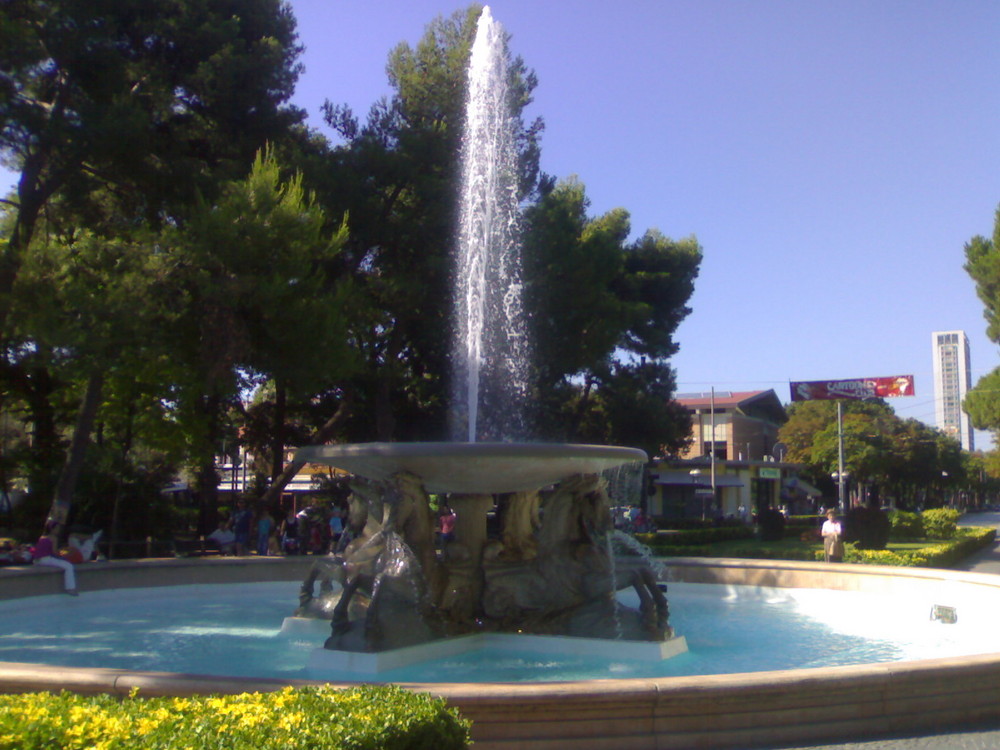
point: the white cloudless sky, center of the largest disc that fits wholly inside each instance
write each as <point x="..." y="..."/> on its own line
<point x="832" y="157"/>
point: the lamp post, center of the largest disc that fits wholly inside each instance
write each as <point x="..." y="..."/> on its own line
<point x="695" y="473"/>
<point x="840" y="477"/>
<point x="841" y="487"/>
<point x="712" y="456"/>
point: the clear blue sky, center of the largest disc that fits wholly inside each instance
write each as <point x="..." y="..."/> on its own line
<point x="831" y="156"/>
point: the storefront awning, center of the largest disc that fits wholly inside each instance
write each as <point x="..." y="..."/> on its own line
<point x="800" y="485"/>
<point x="685" y="479"/>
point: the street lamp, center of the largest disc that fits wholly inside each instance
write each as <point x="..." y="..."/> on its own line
<point x="840" y="477"/>
<point x="695" y="473"/>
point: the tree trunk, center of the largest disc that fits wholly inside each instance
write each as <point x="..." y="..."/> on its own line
<point x="321" y="435"/>
<point x="207" y="479"/>
<point x="32" y="194"/>
<point x="126" y="446"/>
<point x="581" y="407"/>
<point x="278" y="433"/>
<point x="63" y="500"/>
<point x="37" y="391"/>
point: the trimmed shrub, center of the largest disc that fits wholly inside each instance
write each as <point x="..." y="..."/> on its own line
<point x="795" y="525"/>
<point x="940" y="523"/>
<point x="867" y="527"/>
<point x="904" y="525"/>
<point x="772" y="525"/>
<point x="695" y="537"/>
<point x="311" y="718"/>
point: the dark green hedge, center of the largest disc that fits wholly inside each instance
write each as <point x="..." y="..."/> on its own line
<point x="695" y="537"/>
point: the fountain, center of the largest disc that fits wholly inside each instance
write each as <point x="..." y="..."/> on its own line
<point x="714" y="711"/>
<point x="490" y="345"/>
<point x="553" y="571"/>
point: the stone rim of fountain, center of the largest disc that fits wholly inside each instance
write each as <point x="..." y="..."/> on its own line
<point x="473" y="468"/>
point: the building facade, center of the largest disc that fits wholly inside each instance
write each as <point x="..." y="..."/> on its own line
<point x="734" y="467"/>
<point x="735" y="426"/>
<point x="952" y="380"/>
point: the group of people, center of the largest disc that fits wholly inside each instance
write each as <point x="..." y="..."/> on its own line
<point x="631" y="519"/>
<point x="15" y="554"/>
<point x="313" y="530"/>
<point x="310" y="531"/>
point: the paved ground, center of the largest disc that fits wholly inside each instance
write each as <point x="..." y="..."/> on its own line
<point x="978" y="738"/>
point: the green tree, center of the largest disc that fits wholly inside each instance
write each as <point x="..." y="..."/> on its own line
<point x="255" y="304"/>
<point x="603" y="370"/>
<point x="904" y="458"/>
<point x="84" y="307"/>
<point x="396" y="176"/>
<point x="151" y="97"/>
<point x="119" y="113"/>
<point x="982" y="263"/>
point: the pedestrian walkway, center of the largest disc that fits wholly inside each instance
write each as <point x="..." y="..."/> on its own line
<point x="984" y="737"/>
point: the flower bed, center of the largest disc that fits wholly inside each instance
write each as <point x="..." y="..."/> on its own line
<point x="310" y="718"/>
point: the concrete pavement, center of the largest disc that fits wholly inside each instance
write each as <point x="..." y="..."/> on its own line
<point x="986" y="737"/>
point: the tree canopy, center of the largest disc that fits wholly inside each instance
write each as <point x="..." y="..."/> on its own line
<point x="148" y="98"/>
<point x="179" y="240"/>
<point x="982" y="263"/>
<point x="902" y="458"/>
<point x="605" y="311"/>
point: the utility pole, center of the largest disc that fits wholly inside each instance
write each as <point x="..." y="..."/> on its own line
<point x="712" y="463"/>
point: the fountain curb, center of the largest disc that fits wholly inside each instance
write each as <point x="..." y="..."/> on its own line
<point x="715" y="711"/>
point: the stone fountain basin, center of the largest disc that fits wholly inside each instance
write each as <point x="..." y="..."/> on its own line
<point x="794" y="707"/>
<point x="473" y="468"/>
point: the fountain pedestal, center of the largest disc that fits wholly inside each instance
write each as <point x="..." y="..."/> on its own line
<point x="552" y="571"/>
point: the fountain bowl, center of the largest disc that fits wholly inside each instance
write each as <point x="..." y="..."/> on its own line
<point x="473" y="468"/>
<point x="804" y="706"/>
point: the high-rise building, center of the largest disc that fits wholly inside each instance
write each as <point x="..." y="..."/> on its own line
<point x="952" y="380"/>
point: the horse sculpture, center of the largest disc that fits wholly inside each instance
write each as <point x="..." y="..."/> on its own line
<point x="552" y="571"/>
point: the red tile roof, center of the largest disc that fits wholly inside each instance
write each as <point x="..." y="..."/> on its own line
<point x="723" y="399"/>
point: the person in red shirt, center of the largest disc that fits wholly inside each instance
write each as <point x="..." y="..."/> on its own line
<point x="447" y="524"/>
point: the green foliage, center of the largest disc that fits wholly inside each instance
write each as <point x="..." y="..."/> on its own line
<point x="772" y="525"/>
<point x="982" y="404"/>
<point x="310" y="718"/>
<point x="115" y="116"/>
<point x="858" y="556"/>
<point x="155" y="98"/>
<point x="941" y="555"/>
<point x="982" y="263"/>
<point x="900" y="457"/>
<point x="867" y="527"/>
<point x="396" y="176"/>
<point x="695" y="537"/>
<point x="252" y="267"/>
<point x="905" y="525"/>
<point x="604" y="374"/>
<point x="940" y="523"/>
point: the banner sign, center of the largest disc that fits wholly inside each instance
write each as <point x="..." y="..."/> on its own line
<point x="861" y="388"/>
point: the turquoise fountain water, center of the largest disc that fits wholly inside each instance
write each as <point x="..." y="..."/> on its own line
<point x="234" y="630"/>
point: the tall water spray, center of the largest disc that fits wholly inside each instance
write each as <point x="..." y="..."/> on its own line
<point x="490" y="351"/>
